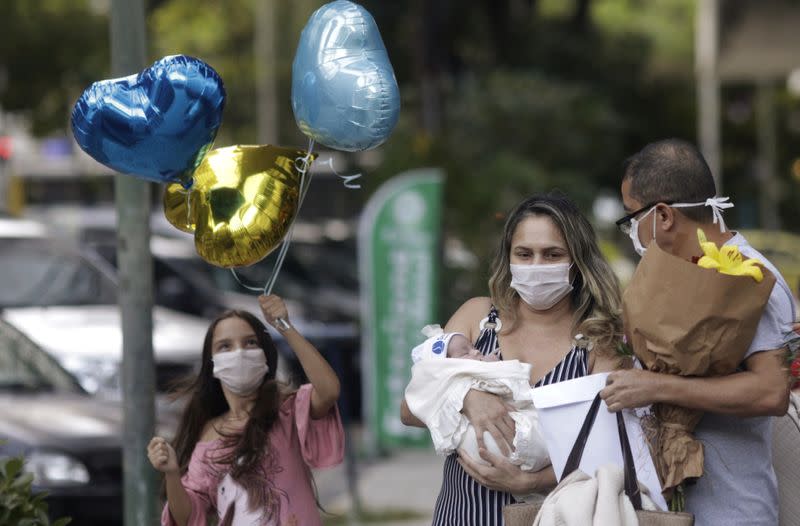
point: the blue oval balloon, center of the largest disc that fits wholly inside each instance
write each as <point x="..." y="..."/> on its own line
<point x="344" y="92"/>
<point x="157" y="125"/>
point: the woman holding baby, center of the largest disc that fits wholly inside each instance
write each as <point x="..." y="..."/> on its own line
<point x="549" y="284"/>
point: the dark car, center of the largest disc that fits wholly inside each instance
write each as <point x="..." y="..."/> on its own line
<point x="71" y="440"/>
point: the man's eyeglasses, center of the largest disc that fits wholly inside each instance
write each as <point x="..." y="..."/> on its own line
<point x="624" y="224"/>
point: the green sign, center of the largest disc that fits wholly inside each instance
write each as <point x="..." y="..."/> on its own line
<point x="399" y="239"/>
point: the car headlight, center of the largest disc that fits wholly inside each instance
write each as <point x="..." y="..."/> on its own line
<point x="56" y="469"/>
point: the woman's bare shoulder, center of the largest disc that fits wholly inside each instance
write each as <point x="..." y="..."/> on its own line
<point x="607" y="360"/>
<point x="469" y="315"/>
<point x="482" y="303"/>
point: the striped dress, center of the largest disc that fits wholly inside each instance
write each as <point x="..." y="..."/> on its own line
<point x="462" y="500"/>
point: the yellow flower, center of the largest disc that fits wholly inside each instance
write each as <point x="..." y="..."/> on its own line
<point x="728" y="259"/>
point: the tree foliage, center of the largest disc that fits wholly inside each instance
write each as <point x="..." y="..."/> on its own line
<point x="18" y="505"/>
<point x="50" y="51"/>
<point x="511" y="97"/>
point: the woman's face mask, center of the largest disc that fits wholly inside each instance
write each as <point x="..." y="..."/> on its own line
<point x="241" y="370"/>
<point x="541" y="286"/>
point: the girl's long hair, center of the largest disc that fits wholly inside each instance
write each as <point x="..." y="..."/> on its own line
<point x="595" y="296"/>
<point x="249" y="459"/>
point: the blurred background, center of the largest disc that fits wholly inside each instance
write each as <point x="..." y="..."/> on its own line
<point x="507" y="97"/>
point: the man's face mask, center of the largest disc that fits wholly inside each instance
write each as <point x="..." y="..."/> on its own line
<point x="633" y="232"/>
<point x="630" y="224"/>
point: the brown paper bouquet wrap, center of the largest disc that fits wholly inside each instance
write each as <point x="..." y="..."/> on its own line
<point x="687" y="320"/>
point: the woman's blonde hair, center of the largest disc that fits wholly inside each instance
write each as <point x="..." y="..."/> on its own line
<point x="595" y="295"/>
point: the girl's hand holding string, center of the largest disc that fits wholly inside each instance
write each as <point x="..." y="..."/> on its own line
<point x="326" y="386"/>
<point x="274" y="309"/>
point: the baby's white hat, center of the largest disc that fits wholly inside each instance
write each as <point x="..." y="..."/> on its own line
<point x="435" y="346"/>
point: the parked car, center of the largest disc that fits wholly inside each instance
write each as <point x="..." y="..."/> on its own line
<point x="65" y="299"/>
<point x="71" y="441"/>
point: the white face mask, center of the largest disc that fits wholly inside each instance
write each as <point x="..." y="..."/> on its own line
<point x="634" y="233"/>
<point x="241" y="370"/>
<point x="717" y="205"/>
<point x="541" y="286"/>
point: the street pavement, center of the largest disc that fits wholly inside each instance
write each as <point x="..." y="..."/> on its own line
<point x="405" y="480"/>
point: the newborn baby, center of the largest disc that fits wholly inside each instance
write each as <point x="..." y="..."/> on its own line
<point x="448" y="345"/>
<point x="437" y="389"/>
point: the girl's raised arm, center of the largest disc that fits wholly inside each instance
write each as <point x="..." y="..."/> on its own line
<point x="325" y="384"/>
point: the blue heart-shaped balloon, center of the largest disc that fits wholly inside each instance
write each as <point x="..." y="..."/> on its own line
<point x="344" y="93"/>
<point x="157" y="125"/>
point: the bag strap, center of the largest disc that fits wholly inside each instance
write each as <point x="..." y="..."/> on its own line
<point x="629" y="468"/>
<point x="574" y="459"/>
<point x="631" y="481"/>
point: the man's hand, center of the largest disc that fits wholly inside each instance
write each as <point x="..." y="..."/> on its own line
<point x="761" y="389"/>
<point x="630" y="389"/>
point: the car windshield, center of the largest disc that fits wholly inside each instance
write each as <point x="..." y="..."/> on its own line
<point x="24" y="367"/>
<point x="39" y="272"/>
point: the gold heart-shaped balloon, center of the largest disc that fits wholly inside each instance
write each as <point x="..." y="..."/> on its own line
<point x="241" y="204"/>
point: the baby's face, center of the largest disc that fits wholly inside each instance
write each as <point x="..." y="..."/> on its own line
<point x="459" y="347"/>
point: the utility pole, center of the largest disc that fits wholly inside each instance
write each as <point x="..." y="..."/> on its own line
<point x="266" y="67"/>
<point x="127" y="25"/>
<point x="706" y="41"/>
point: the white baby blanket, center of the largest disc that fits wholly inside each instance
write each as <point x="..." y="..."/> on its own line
<point x="436" y="394"/>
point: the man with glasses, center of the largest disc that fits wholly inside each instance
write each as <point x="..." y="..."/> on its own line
<point x="669" y="192"/>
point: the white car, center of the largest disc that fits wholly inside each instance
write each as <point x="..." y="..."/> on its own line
<point x="65" y="299"/>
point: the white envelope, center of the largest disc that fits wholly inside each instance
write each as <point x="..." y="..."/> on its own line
<point x="562" y="409"/>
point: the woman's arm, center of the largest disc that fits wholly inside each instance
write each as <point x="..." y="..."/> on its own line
<point x="323" y="379"/>
<point x="502" y="475"/>
<point x="407" y="417"/>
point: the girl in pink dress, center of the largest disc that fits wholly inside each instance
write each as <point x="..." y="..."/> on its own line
<point x="245" y="445"/>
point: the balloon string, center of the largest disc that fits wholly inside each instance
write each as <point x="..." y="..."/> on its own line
<point x="302" y="164"/>
<point x="188" y="193"/>
<point x="189" y="221"/>
<point x="248" y="287"/>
